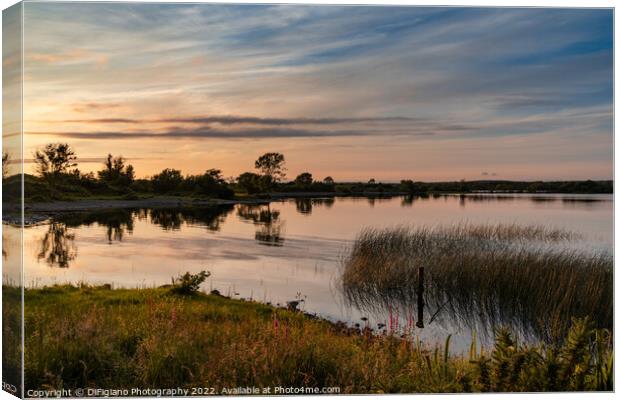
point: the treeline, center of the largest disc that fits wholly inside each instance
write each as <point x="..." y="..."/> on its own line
<point x="587" y="186"/>
<point x="58" y="177"/>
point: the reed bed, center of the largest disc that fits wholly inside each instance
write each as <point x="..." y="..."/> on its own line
<point x="483" y="276"/>
<point x="97" y="337"/>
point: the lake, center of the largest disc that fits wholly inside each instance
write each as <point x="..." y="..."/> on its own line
<point x="287" y="250"/>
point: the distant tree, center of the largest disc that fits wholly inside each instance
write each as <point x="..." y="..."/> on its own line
<point x="5" y="164"/>
<point x="407" y="185"/>
<point x="371" y="181"/>
<point x="535" y="187"/>
<point x="250" y="182"/>
<point x="55" y="159"/>
<point x="304" y="179"/>
<point x="129" y="173"/>
<point x="116" y="172"/>
<point x="167" y="180"/>
<point x="272" y="165"/>
<point x="210" y="183"/>
<point x="328" y="180"/>
<point x="216" y="175"/>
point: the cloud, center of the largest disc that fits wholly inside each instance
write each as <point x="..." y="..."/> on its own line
<point x="89" y="107"/>
<point x="233" y="120"/>
<point x="73" y="56"/>
<point x="206" y="132"/>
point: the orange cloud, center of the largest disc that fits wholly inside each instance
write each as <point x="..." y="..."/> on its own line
<point x="70" y="56"/>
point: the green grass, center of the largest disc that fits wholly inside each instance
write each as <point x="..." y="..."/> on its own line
<point x="78" y="337"/>
<point x="488" y="275"/>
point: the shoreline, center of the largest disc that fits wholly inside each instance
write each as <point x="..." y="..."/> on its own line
<point x="40" y="211"/>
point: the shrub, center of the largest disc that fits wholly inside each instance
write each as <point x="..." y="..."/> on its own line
<point x="187" y="283"/>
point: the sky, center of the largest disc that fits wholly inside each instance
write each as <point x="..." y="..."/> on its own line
<point x="390" y="93"/>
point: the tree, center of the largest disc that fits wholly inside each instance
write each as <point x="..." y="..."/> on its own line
<point x="410" y="186"/>
<point x="129" y="173"/>
<point x="167" y="180"/>
<point x="250" y="182"/>
<point x="5" y="164"/>
<point x="55" y="159"/>
<point x="210" y="183"/>
<point x="271" y="165"/>
<point x="116" y="172"/>
<point x="216" y="175"/>
<point x="328" y="180"/>
<point x="371" y="181"/>
<point x="304" y="179"/>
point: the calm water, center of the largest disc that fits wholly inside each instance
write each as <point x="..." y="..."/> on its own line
<point x="277" y="253"/>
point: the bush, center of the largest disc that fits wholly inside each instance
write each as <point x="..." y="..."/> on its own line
<point x="187" y="283"/>
<point x="167" y="180"/>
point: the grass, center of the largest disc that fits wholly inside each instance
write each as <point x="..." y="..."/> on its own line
<point x="483" y="276"/>
<point x="80" y="337"/>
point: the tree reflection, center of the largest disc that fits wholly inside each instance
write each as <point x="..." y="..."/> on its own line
<point x="57" y="246"/>
<point x="168" y="219"/>
<point x="173" y="218"/>
<point x="303" y="205"/>
<point x="328" y="202"/>
<point x="269" y="227"/>
<point x="117" y="222"/>
<point x="4" y="253"/>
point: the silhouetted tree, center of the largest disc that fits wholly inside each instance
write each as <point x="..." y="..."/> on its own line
<point x="210" y="183"/>
<point x="328" y="180"/>
<point x="55" y="159"/>
<point x="250" y="182"/>
<point x="116" y="172"/>
<point x="5" y="164"/>
<point x="304" y="179"/>
<point x="167" y="180"/>
<point x="272" y="165"/>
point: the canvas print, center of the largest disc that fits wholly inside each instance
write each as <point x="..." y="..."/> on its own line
<point x="231" y="199"/>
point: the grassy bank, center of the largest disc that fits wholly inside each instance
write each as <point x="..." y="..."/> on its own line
<point x="78" y="337"/>
<point x="485" y="275"/>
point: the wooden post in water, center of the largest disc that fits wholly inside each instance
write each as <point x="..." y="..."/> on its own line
<point x="420" y="320"/>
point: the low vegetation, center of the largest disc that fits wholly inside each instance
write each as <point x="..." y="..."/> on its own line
<point x="483" y="276"/>
<point x="80" y="337"/>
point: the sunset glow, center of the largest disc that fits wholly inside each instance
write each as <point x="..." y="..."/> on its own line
<point x="352" y="92"/>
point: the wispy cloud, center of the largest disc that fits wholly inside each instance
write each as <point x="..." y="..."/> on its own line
<point x="234" y="120"/>
<point x="207" y="132"/>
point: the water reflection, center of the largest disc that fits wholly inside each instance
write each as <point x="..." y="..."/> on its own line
<point x="121" y="221"/>
<point x="117" y="222"/>
<point x="269" y="226"/>
<point x="303" y="205"/>
<point x="574" y="201"/>
<point x="4" y="247"/>
<point x="328" y="202"/>
<point x="57" y="247"/>
<point x="410" y="199"/>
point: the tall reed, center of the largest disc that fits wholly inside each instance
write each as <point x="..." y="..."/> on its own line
<point x="528" y="277"/>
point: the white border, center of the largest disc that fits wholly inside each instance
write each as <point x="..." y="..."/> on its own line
<point x="480" y="3"/>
